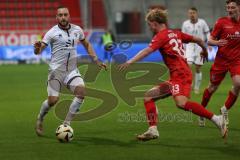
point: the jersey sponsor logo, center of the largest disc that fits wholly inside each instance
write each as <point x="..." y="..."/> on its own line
<point x="228" y="27"/>
<point x="175" y="89"/>
<point x="236" y="35"/>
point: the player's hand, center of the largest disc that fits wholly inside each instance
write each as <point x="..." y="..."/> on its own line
<point x="101" y="65"/>
<point x="123" y="66"/>
<point x="204" y="56"/>
<point x="222" y="42"/>
<point x="37" y="46"/>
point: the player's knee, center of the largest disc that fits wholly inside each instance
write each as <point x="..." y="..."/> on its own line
<point x="147" y="97"/>
<point x="212" y="88"/>
<point x="181" y="103"/>
<point x="52" y="101"/>
<point x="237" y="85"/>
<point x="236" y="88"/>
<point x="79" y="92"/>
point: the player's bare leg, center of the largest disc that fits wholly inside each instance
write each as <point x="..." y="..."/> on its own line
<point x="207" y="94"/>
<point x="232" y="97"/>
<point x="219" y="121"/>
<point x="46" y="105"/>
<point x="158" y="92"/>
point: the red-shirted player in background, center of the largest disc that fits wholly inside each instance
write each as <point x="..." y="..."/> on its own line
<point x="226" y="35"/>
<point x="169" y="43"/>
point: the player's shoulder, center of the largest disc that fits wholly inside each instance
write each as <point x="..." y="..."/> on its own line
<point x="53" y="29"/>
<point x="200" y="20"/>
<point x="76" y="27"/>
<point x="186" y="22"/>
<point x="222" y="19"/>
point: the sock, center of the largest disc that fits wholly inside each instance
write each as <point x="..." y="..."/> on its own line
<point x="206" y="97"/>
<point x="230" y="100"/>
<point x="214" y="119"/>
<point x="44" y="110"/>
<point x="151" y="112"/>
<point x="198" y="79"/>
<point x="73" y="110"/>
<point x="198" y="109"/>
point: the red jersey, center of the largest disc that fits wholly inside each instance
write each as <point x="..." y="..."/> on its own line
<point x="170" y="44"/>
<point x="226" y="28"/>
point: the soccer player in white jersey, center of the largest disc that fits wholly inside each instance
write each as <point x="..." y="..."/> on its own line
<point x="199" y="28"/>
<point x="63" y="70"/>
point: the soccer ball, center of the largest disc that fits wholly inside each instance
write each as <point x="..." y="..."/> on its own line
<point x="64" y="133"/>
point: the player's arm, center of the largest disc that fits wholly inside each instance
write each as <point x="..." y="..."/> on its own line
<point x="140" y="55"/>
<point x="92" y="53"/>
<point x="214" y="42"/>
<point x="39" y="46"/>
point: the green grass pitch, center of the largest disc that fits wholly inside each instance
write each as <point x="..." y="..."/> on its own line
<point x="23" y="88"/>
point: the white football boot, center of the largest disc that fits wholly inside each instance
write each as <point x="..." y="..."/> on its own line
<point x="221" y="124"/>
<point x="151" y="133"/>
<point x="39" y="127"/>
<point x="224" y="112"/>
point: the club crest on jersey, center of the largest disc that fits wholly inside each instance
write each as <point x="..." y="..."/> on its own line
<point x="76" y="35"/>
<point x="60" y="35"/>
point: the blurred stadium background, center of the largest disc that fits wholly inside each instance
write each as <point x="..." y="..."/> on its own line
<point x="23" y="87"/>
<point x="22" y="22"/>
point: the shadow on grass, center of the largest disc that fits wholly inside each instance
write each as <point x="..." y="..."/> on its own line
<point x="86" y="141"/>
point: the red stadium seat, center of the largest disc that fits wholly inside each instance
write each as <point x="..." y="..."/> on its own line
<point x="29" y="14"/>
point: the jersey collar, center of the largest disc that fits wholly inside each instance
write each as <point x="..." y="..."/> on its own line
<point x="65" y="29"/>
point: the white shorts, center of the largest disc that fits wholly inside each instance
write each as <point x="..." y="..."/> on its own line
<point x="59" y="79"/>
<point x="194" y="57"/>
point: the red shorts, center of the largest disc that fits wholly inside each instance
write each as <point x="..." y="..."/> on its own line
<point x="218" y="71"/>
<point x="178" y="85"/>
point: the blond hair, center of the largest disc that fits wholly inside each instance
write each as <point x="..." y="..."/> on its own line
<point x="157" y="15"/>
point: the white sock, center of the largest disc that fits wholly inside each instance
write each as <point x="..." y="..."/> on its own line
<point x="224" y="108"/>
<point x="215" y="119"/>
<point x="198" y="79"/>
<point x="44" y="110"/>
<point x="73" y="110"/>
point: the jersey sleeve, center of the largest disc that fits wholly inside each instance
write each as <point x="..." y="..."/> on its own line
<point x="47" y="38"/>
<point x="156" y="43"/>
<point x="184" y="27"/>
<point x="217" y="29"/>
<point x="186" y="37"/>
<point x="206" y="29"/>
<point x="81" y="35"/>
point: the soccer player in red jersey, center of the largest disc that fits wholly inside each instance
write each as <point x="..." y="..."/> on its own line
<point x="170" y="44"/>
<point x="226" y="35"/>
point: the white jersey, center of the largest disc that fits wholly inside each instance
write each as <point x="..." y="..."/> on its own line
<point x="199" y="29"/>
<point x="63" y="45"/>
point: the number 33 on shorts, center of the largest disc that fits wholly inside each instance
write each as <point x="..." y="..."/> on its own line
<point x="175" y="89"/>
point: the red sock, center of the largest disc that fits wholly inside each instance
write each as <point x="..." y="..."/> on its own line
<point x="151" y="112"/>
<point x="230" y="100"/>
<point x="198" y="109"/>
<point x="206" y="97"/>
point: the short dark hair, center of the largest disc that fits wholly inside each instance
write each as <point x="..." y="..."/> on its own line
<point x="194" y="9"/>
<point x="60" y="7"/>
<point x="236" y="1"/>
